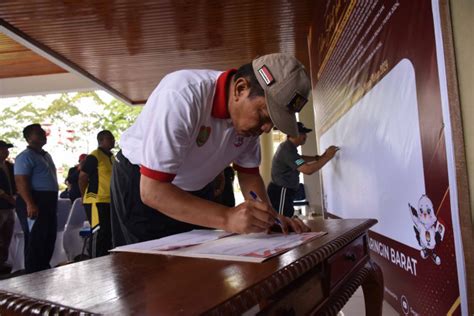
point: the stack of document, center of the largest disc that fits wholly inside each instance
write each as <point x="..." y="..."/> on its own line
<point x="217" y="244"/>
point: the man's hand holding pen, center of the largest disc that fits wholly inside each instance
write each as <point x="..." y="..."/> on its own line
<point x="250" y="217"/>
<point x="331" y="151"/>
<point x="287" y="225"/>
<point x="282" y="223"/>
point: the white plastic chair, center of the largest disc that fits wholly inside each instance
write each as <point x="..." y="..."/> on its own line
<point x="62" y="213"/>
<point x="72" y="242"/>
<point x="64" y="208"/>
<point x="16" y="256"/>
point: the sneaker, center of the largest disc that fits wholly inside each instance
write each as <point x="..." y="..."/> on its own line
<point x="5" y="268"/>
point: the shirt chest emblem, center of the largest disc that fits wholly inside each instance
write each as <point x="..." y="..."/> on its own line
<point x="203" y="136"/>
<point x="238" y="141"/>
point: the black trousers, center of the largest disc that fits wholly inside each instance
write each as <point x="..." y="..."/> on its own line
<point x="281" y="199"/>
<point x="7" y="221"/>
<point x="101" y="240"/>
<point x="39" y="242"/>
<point x="132" y="221"/>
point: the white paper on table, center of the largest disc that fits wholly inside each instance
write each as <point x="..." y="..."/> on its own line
<point x="250" y="248"/>
<point x="191" y="238"/>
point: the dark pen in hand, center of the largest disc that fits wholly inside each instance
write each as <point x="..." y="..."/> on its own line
<point x="256" y="198"/>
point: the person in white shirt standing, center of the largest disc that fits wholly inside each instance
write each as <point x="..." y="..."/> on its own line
<point x="195" y="123"/>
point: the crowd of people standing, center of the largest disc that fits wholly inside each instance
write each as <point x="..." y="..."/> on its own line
<point x="29" y="187"/>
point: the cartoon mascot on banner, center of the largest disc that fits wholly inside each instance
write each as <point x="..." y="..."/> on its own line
<point x="429" y="231"/>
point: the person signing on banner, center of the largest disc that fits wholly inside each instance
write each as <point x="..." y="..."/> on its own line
<point x="194" y="124"/>
<point x="286" y="167"/>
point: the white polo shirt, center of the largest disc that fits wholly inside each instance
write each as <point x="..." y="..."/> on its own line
<point x="184" y="134"/>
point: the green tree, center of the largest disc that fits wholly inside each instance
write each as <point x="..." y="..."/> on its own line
<point x="68" y="110"/>
<point x="116" y="116"/>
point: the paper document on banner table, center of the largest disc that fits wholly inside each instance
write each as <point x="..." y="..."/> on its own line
<point x="194" y="237"/>
<point x="216" y="244"/>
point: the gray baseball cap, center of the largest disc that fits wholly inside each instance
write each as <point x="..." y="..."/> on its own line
<point x="287" y="88"/>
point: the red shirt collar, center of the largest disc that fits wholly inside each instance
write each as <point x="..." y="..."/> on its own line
<point x="219" y="105"/>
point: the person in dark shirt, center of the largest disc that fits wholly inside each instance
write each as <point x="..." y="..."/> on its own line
<point x="224" y="187"/>
<point x="286" y="167"/>
<point x="72" y="179"/>
<point x="94" y="183"/>
<point x="7" y="204"/>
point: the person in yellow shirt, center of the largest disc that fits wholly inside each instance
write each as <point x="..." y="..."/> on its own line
<point x="94" y="183"/>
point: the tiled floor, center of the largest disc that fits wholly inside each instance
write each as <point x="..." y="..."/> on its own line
<point x="356" y="306"/>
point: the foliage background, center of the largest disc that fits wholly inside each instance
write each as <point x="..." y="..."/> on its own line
<point x="72" y="121"/>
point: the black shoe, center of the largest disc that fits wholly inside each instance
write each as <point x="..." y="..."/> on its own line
<point x="5" y="268"/>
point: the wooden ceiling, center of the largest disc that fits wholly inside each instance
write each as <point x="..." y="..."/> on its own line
<point x="18" y="61"/>
<point x="127" y="46"/>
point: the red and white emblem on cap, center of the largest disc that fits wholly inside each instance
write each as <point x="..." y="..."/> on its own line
<point x="266" y="75"/>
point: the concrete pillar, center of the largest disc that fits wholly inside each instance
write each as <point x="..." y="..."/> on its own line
<point x="463" y="23"/>
<point x="266" y="147"/>
<point x="312" y="183"/>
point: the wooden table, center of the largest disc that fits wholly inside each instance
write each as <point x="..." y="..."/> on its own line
<point x="316" y="278"/>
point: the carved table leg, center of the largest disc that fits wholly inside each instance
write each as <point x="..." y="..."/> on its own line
<point x="373" y="290"/>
